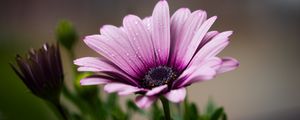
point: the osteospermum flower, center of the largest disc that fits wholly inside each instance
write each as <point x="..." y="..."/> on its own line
<point x="41" y="71"/>
<point x="158" y="55"/>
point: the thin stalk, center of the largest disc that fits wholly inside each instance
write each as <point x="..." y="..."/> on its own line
<point x="62" y="111"/>
<point x="74" y="99"/>
<point x="72" y="57"/>
<point x="59" y="110"/>
<point x="87" y="107"/>
<point x="166" y="107"/>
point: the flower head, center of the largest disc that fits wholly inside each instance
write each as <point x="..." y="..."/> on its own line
<point x="41" y="71"/>
<point x="158" y="55"/>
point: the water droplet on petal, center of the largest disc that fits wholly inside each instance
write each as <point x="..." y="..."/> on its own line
<point x="113" y="55"/>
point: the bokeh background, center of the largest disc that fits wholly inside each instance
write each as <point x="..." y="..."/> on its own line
<point x="266" y="41"/>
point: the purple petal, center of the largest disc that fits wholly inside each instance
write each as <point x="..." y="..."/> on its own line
<point x="185" y="36"/>
<point x="177" y="22"/>
<point x="148" y="23"/>
<point x="193" y="45"/>
<point x="88" y="69"/>
<point x="176" y="95"/>
<point x="121" y="89"/>
<point x="114" y="52"/>
<point x="213" y="62"/>
<point x="156" y="90"/>
<point x="144" y="101"/>
<point x="228" y="64"/>
<point x="94" y="81"/>
<point x="209" y="35"/>
<point x="212" y="48"/>
<point x="161" y="31"/>
<point x="200" y="72"/>
<point x="94" y="64"/>
<point x="120" y="38"/>
<point x="140" y="39"/>
<point x="205" y="73"/>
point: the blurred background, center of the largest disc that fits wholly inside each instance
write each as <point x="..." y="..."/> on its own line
<point x="266" y="41"/>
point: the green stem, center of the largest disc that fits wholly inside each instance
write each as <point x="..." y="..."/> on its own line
<point x="166" y="107"/>
<point x="87" y="107"/>
<point x="74" y="67"/>
<point x="58" y="109"/>
<point x="74" y="99"/>
<point x="62" y="111"/>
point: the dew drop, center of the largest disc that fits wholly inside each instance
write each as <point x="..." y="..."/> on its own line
<point x="113" y="55"/>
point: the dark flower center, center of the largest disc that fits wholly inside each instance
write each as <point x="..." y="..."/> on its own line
<point x="158" y="76"/>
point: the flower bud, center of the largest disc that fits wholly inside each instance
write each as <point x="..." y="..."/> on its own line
<point x="41" y="71"/>
<point x="66" y="34"/>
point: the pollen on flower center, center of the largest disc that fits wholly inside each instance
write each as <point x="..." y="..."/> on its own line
<point x="158" y="76"/>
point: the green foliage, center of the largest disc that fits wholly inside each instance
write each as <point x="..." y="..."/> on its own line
<point x="132" y="108"/>
<point x="156" y="112"/>
<point x="113" y="108"/>
<point x="85" y="92"/>
<point x="210" y="107"/>
<point x="190" y="111"/>
<point x="217" y="114"/>
<point x="193" y="111"/>
<point x="211" y="112"/>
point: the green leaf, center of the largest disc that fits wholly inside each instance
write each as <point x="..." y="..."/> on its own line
<point x="75" y="116"/>
<point x="217" y="114"/>
<point x="113" y="108"/>
<point x="112" y="100"/>
<point x="224" y="116"/>
<point x="157" y="113"/>
<point x="186" y="114"/>
<point x="193" y="111"/>
<point x="176" y="111"/>
<point x="85" y="92"/>
<point x="132" y="106"/>
<point x="210" y="107"/>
